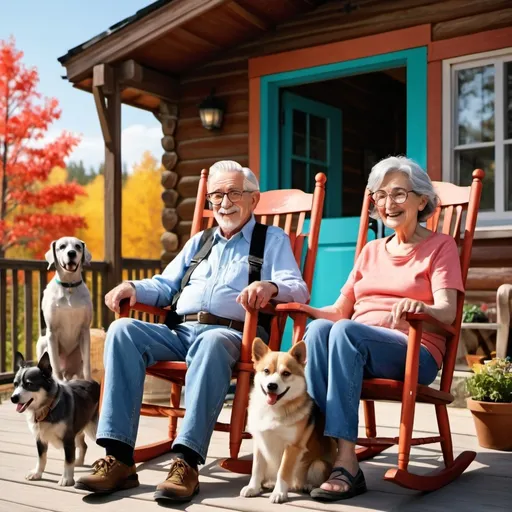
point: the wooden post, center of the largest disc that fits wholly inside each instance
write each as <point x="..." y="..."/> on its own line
<point x="107" y="95"/>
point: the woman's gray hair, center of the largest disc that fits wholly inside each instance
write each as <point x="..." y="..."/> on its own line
<point x="420" y="182"/>
<point x="251" y="183"/>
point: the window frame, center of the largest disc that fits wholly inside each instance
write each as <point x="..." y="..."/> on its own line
<point x="449" y="98"/>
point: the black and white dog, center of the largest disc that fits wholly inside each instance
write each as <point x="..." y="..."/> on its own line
<point x="57" y="413"/>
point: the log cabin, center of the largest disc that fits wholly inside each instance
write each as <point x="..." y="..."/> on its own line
<point x="312" y="85"/>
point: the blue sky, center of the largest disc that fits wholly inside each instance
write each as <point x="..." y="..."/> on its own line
<point x="46" y="30"/>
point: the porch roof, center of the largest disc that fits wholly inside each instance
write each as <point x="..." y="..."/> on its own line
<point x="170" y="37"/>
<point x="114" y="28"/>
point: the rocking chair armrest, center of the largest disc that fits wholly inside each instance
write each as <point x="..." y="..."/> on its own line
<point x="424" y="317"/>
<point x="250" y="330"/>
<point x="138" y="306"/>
<point x="293" y="307"/>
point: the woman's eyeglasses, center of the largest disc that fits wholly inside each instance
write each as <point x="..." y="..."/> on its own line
<point x="398" y="196"/>
<point x="234" y="196"/>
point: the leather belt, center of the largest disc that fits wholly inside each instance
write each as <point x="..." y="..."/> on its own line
<point x="204" y="317"/>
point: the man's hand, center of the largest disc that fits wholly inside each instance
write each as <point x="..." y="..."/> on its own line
<point x="257" y="295"/>
<point x="406" y="306"/>
<point x="117" y="294"/>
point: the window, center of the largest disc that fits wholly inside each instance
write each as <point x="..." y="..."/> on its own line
<point x="477" y="117"/>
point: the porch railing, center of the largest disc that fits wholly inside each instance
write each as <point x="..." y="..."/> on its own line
<point x="22" y="283"/>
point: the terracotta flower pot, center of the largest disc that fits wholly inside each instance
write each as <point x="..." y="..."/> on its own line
<point x="493" y="423"/>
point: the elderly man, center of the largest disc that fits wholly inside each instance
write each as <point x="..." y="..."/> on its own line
<point x="218" y="285"/>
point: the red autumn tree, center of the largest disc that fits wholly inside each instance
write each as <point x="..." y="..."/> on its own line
<point x="26" y="160"/>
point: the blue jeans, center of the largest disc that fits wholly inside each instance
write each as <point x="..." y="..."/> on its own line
<point x="132" y="345"/>
<point x="340" y="355"/>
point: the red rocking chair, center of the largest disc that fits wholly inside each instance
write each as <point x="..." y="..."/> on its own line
<point x="285" y="208"/>
<point x="454" y="201"/>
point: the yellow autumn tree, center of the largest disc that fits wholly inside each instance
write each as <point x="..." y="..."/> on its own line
<point x="142" y="210"/>
<point x="92" y="208"/>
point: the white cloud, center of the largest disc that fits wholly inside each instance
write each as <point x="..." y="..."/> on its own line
<point x="135" y="139"/>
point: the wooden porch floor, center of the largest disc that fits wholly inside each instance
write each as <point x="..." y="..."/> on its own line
<point x="487" y="484"/>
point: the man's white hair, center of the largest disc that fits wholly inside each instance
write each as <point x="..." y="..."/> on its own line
<point x="251" y="183"/>
<point x="419" y="179"/>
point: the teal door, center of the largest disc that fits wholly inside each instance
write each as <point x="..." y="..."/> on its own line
<point x="294" y="146"/>
<point x="311" y="143"/>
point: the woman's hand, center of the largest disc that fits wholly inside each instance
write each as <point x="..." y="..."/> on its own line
<point x="406" y="306"/>
<point x="444" y="308"/>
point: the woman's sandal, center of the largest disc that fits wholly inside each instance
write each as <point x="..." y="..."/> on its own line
<point x="357" y="486"/>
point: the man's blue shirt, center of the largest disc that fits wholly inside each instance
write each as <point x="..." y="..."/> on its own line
<point x="217" y="281"/>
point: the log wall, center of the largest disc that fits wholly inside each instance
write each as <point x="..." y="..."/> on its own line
<point x="491" y="264"/>
<point x="196" y="148"/>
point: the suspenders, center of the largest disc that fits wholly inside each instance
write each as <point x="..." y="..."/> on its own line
<point x="205" y="247"/>
<point x="256" y="252"/>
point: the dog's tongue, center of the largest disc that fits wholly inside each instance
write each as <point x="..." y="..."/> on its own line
<point x="271" y="398"/>
<point x="19" y="407"/>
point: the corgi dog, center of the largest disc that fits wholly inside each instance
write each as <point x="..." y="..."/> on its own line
<point x="289" y="448"/>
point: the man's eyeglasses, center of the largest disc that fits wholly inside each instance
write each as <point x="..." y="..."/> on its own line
<point x="398" y="196"/>
<point x="234" y="196"/>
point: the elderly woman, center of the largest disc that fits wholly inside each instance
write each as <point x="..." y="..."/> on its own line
<point x="364" y="333"/>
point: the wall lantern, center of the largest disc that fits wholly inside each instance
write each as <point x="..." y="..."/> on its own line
<point x="211" y="112"/>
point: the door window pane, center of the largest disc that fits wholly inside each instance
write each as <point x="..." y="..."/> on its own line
<point x="467" y="160"/>
<point x="508" y="100"/>
<point x="317" y="138"/>
<point x="299" y="133"/>
<point x="508" y="177"/>
<point x="299" y="175"/>
<point x="475" y="106"/>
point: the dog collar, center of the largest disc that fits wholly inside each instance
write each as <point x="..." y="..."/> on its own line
<point x="69" y="285"/>
<point x="42" y="413"/>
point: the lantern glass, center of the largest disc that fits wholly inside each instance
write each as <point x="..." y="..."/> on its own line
<point x="211" y="118"/>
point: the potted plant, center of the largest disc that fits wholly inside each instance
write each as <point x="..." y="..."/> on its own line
<point x="490" y="403"/>
<point x="471" y="313"/>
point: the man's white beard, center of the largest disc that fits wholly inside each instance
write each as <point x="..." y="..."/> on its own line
<point x="228" y="223"/>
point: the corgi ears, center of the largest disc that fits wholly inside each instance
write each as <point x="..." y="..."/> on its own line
<point x="298" y="352"/>
<point x="44" y="364"/>
<point x="259" y="350"/>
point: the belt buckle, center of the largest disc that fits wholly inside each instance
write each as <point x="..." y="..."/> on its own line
<point x="202" y="317"/>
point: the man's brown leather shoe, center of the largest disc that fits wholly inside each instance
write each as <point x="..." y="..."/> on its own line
<point x="109" y="475"/>
<point x="182" y="483"/>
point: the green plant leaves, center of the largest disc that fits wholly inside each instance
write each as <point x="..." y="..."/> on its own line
<point x="492" y="382"/>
